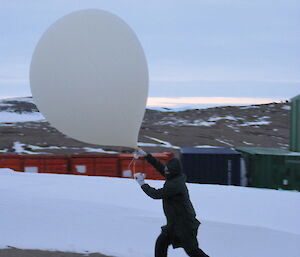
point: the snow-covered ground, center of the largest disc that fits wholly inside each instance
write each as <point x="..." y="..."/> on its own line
<point x="114" y="216"/>
<point x="237" y="121"/>
<point x="21" y="148"/>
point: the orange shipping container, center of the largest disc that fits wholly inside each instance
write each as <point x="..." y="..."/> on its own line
<point x="107" y="166"/>
<point x="112" y="165"/>
<point x="95" y="165"/>
<point x="10" y="161"/>
<point x="45" y="164"/>
<point x="82" y="166"/>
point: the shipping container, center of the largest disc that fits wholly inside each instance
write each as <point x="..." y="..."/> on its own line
<point x="83" y="165"/>
<point x="295" y="124"/>
<point x="112" y="165"/>
<point x="107" y="166"/>
<point x="57" y="164"/>
<point x="272" y="168"/>
<point x="95" y="165"/>
<point x="212" y="165"/>
<point x="11" y="161"/>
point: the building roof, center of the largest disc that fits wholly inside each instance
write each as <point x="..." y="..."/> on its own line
<point x="205" y="150"/>
<point x="267" y="151"/>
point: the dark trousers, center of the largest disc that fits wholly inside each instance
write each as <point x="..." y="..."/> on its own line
<point x="163" y="242"/>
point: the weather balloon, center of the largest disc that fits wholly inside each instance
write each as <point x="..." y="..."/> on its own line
<point x="89" y="78"/>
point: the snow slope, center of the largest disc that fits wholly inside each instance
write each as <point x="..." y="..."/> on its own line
<point x="113" y="216"/>
<point x="11" y="115"/>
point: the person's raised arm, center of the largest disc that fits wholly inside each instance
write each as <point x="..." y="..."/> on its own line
<point x="152" y="160"/>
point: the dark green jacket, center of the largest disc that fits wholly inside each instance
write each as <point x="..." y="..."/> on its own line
<point x="182" y="224"/>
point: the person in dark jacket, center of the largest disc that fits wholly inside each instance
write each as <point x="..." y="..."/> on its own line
<point x="182" y="226"/>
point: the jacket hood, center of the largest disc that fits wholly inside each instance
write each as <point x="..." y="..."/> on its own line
<point x="174" y="168"/>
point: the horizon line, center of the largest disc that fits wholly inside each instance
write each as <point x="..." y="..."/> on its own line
<point x="177" y="102"/>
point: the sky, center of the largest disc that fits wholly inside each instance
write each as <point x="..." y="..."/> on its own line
<point x="199" y="52"/>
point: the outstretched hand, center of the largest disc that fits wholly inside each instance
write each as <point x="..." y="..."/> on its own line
<point x="139" y="152"/>
<point x="139" y="177"/>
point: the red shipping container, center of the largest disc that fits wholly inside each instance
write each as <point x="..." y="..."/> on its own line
<point x="82" y="166"/>
<point x="107" y="166"/>
<point x="95" y="165"/>
<point x="46" y="164"/>
<point x="56" y="164"/>
<point x="112" y="165"/>
<point x="59" y="166"/>
<point x="10" y="161"/>
<point x="32" y="163"/>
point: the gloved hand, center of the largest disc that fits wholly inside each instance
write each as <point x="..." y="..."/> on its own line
<point x="139" y="152"/>
<point x="139" y="177"/>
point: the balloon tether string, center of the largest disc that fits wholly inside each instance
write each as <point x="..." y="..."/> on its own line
<point x="132" y="163"/>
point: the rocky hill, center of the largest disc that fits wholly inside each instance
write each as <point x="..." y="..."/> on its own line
<point x="24" y="130"/>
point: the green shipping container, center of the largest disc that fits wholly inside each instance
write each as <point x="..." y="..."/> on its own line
<point x="295" y="124"/>
<point x="272" y="168"/>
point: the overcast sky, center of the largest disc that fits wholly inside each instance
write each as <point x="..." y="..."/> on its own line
<point x="202" y="51"/>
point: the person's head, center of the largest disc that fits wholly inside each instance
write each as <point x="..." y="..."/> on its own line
<point x="172" y="168"/>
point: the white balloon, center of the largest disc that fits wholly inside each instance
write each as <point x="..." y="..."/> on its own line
<point x="89" y="78"/>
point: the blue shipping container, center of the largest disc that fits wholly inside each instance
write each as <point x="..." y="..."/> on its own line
<point x="211" y="165"/>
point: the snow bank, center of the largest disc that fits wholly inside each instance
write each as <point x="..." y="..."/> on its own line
<point x="113" y="216"/>
<point x="6" y="171"/>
